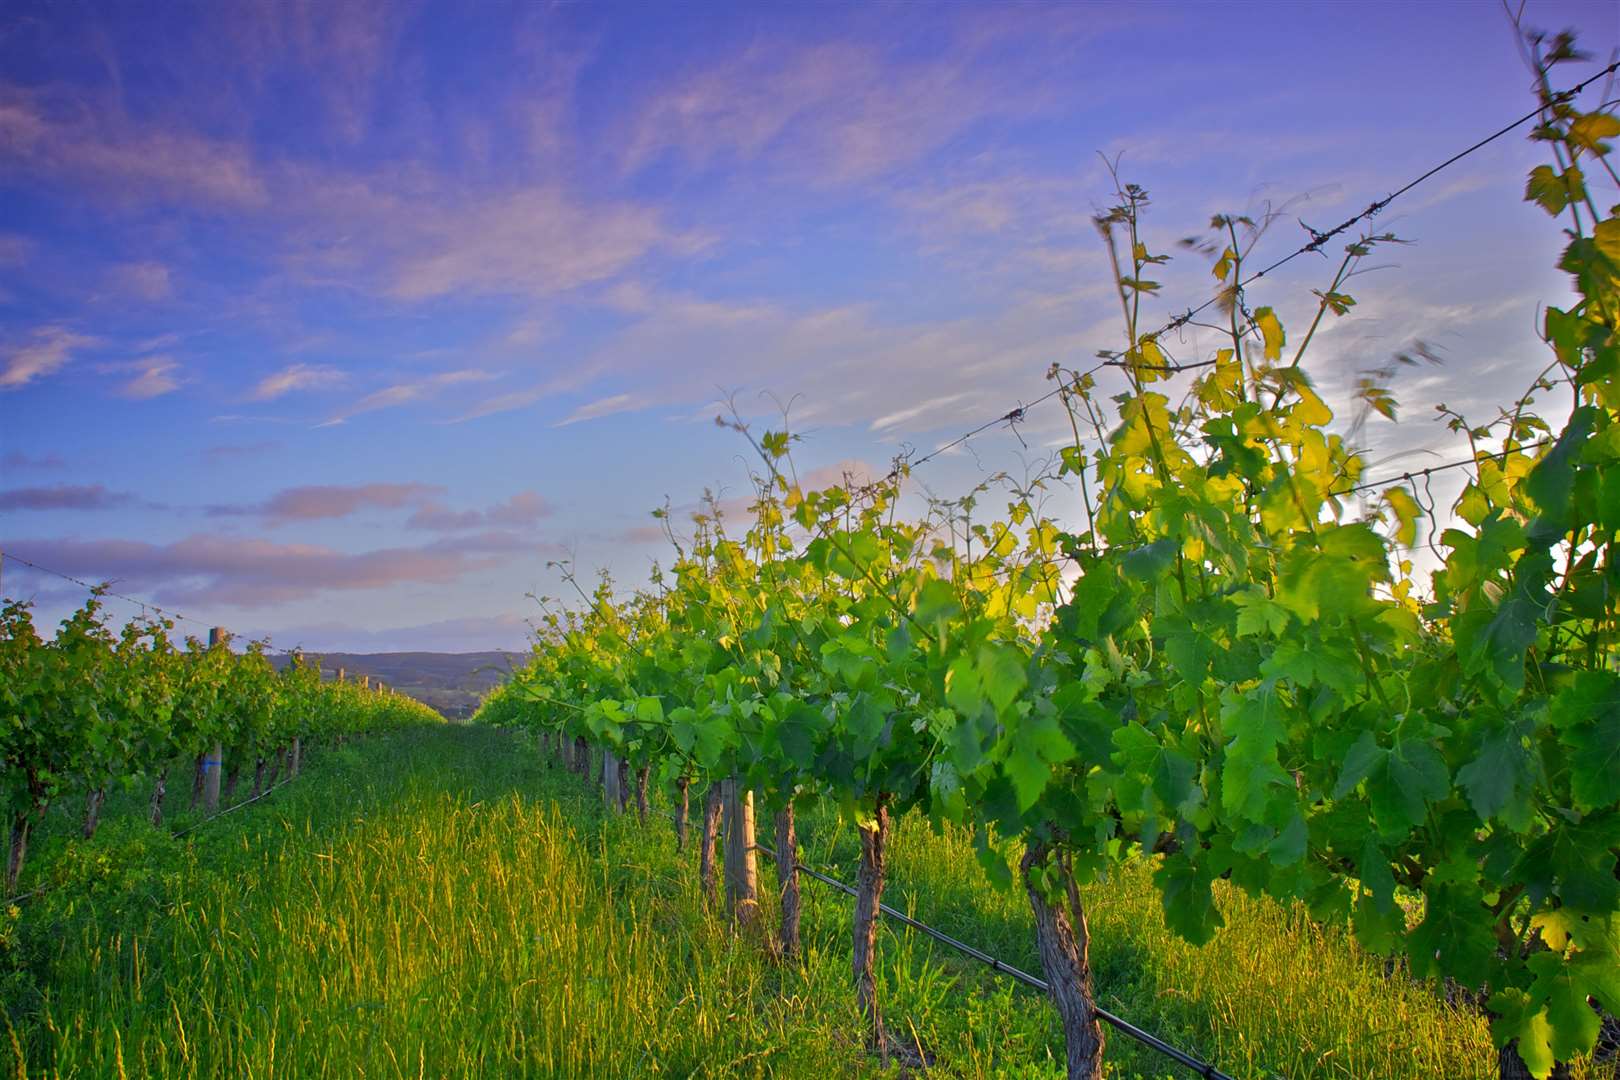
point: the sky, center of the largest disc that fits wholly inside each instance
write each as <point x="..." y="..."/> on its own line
<point x="338" y="322"/>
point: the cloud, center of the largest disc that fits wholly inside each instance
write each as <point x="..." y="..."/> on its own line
<point x="215" y="455"/>
<point x="836" y="112"/>
<point x="91" y="140"/>
<point x="524" y="508"/>
<point x="50" y="350"/>
<point x="16" y="459"/>
<point x="404" y="393"/>
<point x="215" y="570"/>
<point x="536" y="241"/>
<point x="296" y="377"/>
<point x="145" y="280"/>
<point x="63" y="497"/>
<point x="15" y="250"/>
<point x="607" y="406"/>
<point x="154" y="377"/>
<point x="318" y="502"/>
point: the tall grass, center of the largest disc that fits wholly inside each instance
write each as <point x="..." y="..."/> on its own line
<point x="437" y="903"/>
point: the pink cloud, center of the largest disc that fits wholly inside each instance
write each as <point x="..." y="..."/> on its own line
<point x="93" y="141"/>
<point x="63" y="497"/>
<point x="524" y="508"/>
<point x="296" y="377"/>
<point x="320" y="502"/>
<point x="210" y="569"/>
<point x="154" y="376"/>
<point x="148" y="280"/>
<point x="49" y="351"/>
<point x="405" y="393"/>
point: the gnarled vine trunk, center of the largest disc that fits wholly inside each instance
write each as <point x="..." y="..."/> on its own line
<point x="624" y="784"/>
<point x="1065" y="945"/>
<point x="197" y="780"/>
<point x="682" y="803"/>
<point x="92" y="810"/>
<point x="20" y="824"/>
<point x="868" y="898"/>
<point x="258" y="778"/>
<point x="711" y="833"/>
<point x="160" y="787"/>
<point x="641" y="792"/>
<point x="787" y="878"/>
<point x="582" y="757"/>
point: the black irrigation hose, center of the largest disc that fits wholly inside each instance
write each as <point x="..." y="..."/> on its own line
<point x="1202" y="1068"/>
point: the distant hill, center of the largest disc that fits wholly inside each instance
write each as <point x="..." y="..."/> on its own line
<point x="453" y="683"/>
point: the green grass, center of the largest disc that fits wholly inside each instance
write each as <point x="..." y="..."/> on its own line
<point x="438" y="903"/>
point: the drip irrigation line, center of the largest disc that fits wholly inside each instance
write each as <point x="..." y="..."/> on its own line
<point x="1125" y="1027"/>
<point x="176" y="835"/>
<point x="233" y="808"/>
<point x="1318" y="239"/>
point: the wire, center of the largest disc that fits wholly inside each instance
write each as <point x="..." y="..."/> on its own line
<point x="142" y="604"/>
<point x="1318" y="239"/>
<point x="1202" y="1068"/>
<point x="1425" y="473"/>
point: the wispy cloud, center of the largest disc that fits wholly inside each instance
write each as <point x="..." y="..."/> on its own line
<point x="316" y="502"/>
<point x="16" y="459"/>
<point x="215" y="455"/>
<point x="296" y="377"/>
<point x="88" y="139"/>
<point x="48" y="352"/>
<point x="213" y="569"/>
<point x="147" y="280"/>
<point x="407" y="392"/>
<point x="154" y="376"/>
<point x="607" y="406"/>
<point x="64" y="497"/>
<point x="524" y="508"/>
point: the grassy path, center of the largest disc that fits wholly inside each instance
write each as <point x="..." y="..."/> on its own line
<point x="438" y="903"/>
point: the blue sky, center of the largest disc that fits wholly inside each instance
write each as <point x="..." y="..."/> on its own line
<point x="337" y="321"/>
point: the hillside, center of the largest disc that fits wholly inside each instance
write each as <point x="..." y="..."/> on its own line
<point x="452" y="683"/>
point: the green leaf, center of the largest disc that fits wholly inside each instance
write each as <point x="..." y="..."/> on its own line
<point x="1499" y="779"/>
<point x="1001" y="673"/>
<point x="1517" y="1017"/>
<point x="1189" y="901"/>
<point x="1587" y="714"/>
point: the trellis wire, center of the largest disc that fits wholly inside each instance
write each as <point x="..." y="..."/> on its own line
<point x="1202" y="1068"/>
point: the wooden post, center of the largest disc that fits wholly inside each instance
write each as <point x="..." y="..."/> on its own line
<point x="742" y="877"/>
<point x="297" y="757"/>
<point x="214" y="762"/>
<point x="365" y="682"/>
<point x="610" y="781"/>
<point x="339" y="674"/>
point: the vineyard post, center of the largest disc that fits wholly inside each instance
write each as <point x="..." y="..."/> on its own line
<point x="216" y="757"/>
<point x="742" y="877"/>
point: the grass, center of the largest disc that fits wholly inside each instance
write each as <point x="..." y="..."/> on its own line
<point x="438" y="903"/>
